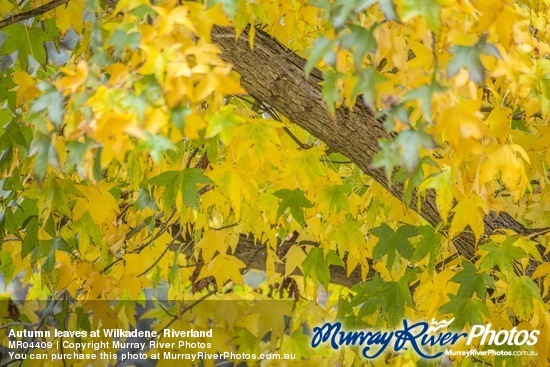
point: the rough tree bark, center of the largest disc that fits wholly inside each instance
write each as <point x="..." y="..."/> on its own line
<point x="275" y="75"/>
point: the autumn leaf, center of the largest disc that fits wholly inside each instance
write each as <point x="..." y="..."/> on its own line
<point x="502" y="256"/>
<point x="316" y="265"/>
<point x="294" y="200"/>
<point x="523" y="292"/>
<point x="429" y="10"/>
<point x="469" y="58"/>
<point x="182" y="182"/>
<point x="442" y="183"/>
<point x="467" y="213"/>
<point x="223" y="268"/>
<point x="30" y="46"/>
<point x="471" y="282"/>
<point x="191" y="152"/>
<point x="390" y="242"/>
<point x="465" y="310"/>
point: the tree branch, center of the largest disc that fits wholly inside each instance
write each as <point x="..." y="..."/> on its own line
<point x="276" y="76"/>
<point x="254" y="255"/>
<point x="32" y="13"/>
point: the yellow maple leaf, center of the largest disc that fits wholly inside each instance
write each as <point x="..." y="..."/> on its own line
<point x="70" y="15"/>
<point x="543" y="270"/>
<point x="294" y="258"/>
<point x="217" y="241"/>
<point x="27" y="89"/>
<point x="68" y="278"/>
<point x="433" y="291"/>
<point x="156" y="119"/>
<point x="463" y="127"/>
<point x="500" y="120"/>
<point x="468" y="212"/>
<point x="74" y="78"/>
<point x="180" y="15"/>
<point x="97" y="199"/>
<point x="442" y="183"/>
<point x="223" y="268"/>
<point x="507" y="163"/>
<point x="194" y="123"/>
<point x="154" y="61"/>
<point x="218" y="80"/>
<point x="118" y="74"/>
<point x="235" y="183"/>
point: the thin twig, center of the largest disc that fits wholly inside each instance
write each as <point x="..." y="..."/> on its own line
<point x="225" y="227"/>
<point x="12" y="324"/>
<point x="136" y="230"/>
<point x="32" y="13"/>
<point x="174" y="318"/>
<point x="141" y="226"/>
<point x="191" y="156"/>
<point x="162" y="254"/>
<point x="273" y="114"/>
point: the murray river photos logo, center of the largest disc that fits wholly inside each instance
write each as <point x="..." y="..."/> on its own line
<point x="419" y="337"/>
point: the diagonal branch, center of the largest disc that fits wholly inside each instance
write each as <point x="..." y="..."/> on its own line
<point x="275" y="75"/>
<point x="32" y="13"/>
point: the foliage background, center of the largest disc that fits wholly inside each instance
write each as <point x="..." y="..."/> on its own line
<point x="143" y="162"/>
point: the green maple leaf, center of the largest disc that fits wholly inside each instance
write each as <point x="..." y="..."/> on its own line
<point x="470" y="281"/>
<point x="46" y="249"/>
<point x="390" y="114"/>
<point x="331" y="92"/>
<point x="469" y="58"/>
<point x="521" y="293"/>
<point x="185" y="182"/>
<point x="27" y="41"/>
<point x="57" y="194"/>
<point x="390" y="298"/>
<point x="299" y="344"/>
<point x="387" y="157"/>
<point x="317" y="266"/>
<point x="502" y="256"/>
<point x="120" y="40"/>
<point x="248" y="343"/>
<point x="145" y="200"/>
<point x="295" y="200"/>
<point x="365" y="290"/>
<point x="51" y="101"/>
<point x="424" y="94"/>
<point x="409" y="143"/>
<point x="45" y="153"/>
<point x="336" y="197"/>
<point x="361" y="40"/>
<point x="427" y="9"/>
<point x="31" y="235"/>
<point x="391" y="241"/>
<point x="402" y="151"/>
<point x="427" y="245"/>
<point x="342" y="11"/>
<point x="465" y="311"/>
<point x="366" y="85"/>
<point x="322" y="48"/>
<point x="88" y="231"/>
<point x="395" y="296"/>
<point x="157" y="146"/>
<point x="190" y="178"/>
